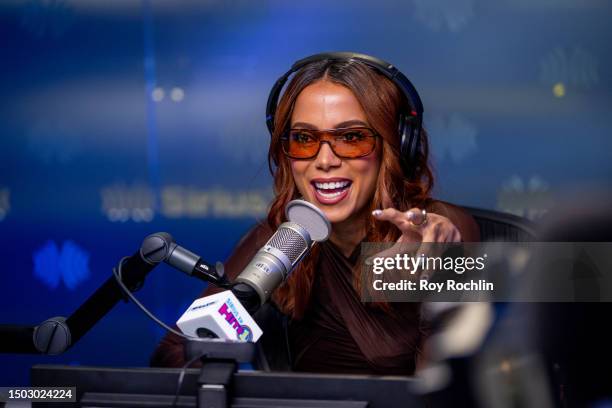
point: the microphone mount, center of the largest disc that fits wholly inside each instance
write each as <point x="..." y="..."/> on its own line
<point x="57" y="334"/>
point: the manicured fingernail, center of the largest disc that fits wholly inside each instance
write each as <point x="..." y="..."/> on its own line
<point x="410" y="215"/>
<point x="376" y="213"/>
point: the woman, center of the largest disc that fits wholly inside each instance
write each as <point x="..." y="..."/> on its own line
<point x="335" y="143"/>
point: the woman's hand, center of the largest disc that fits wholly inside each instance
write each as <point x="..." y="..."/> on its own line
<point x="418" y="226"/>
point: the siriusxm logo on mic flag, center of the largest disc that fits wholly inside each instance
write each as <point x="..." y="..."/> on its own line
<point x="223" y="314"/>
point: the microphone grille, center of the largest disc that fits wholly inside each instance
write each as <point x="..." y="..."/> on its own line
<point x="289" y="241"/>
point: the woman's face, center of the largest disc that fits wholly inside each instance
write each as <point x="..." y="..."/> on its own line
<point x="340" y="187"/>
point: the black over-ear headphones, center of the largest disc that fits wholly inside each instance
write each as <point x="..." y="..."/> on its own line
<point x="410" y="123"/>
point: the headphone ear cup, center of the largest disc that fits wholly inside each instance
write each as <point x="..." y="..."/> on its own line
<point x="408" y="146"/>
<point x="415" y="149"/>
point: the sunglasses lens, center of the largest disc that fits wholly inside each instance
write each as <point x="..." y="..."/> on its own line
<point x="301" y="144"/>
<point x="353" y="143"/>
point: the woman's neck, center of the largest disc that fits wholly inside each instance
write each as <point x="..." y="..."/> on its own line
<point x="347" y="234"/>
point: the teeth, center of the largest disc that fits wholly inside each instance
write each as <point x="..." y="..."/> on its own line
<point x="330" y="195"/>
<point x="332" y="185"/>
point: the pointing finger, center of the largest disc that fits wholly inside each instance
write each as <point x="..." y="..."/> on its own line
<point x="392" y="215"/>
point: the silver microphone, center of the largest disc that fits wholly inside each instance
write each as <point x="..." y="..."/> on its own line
<point x="273" y="263"/>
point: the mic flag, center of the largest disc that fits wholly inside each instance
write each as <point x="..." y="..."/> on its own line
<point x="223" y="315"/>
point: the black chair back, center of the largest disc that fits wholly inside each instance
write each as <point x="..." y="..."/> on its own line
<point x="499" y="226"/>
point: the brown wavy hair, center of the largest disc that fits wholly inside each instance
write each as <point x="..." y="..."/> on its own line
<point x="382" y="103"/>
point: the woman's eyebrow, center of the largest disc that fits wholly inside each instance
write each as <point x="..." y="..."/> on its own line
<point x="341" y="125"/>
<point x="303" y="125"/>
<point x="349" y="123"/>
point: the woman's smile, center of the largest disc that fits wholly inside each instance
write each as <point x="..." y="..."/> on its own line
<point x="331" y="191"/>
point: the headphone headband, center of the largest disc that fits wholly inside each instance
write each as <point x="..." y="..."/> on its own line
<point x="385" y="68"/>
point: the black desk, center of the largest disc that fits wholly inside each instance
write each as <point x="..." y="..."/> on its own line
<point x="156" y="387"/>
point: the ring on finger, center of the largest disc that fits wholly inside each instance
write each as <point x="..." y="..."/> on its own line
<point x="424" y="212"/>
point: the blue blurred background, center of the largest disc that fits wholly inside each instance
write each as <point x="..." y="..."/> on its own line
<point x="123" y="118"/>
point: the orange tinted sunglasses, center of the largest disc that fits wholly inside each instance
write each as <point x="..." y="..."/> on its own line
<point x="346" y="143"/>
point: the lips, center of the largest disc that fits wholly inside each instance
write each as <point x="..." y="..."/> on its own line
<point x="332" y="190"/>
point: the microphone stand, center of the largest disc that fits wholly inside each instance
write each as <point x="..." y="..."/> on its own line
<point x="58" y="334"/>
<point x="220" y="359"/>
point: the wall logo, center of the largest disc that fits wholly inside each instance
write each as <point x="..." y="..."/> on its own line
<point x="70" y="264"/>
<point x="453" y="138"/>
<point x="121" y="203"/>
<point x="439" y="15"/>
<point x="191" y="202"/>
<point x="573" y="66"/>
<point x="529" y="198"/>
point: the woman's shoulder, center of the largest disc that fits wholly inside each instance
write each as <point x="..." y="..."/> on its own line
<point x="257" y="236"/>
<point x="460" y="217"/>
